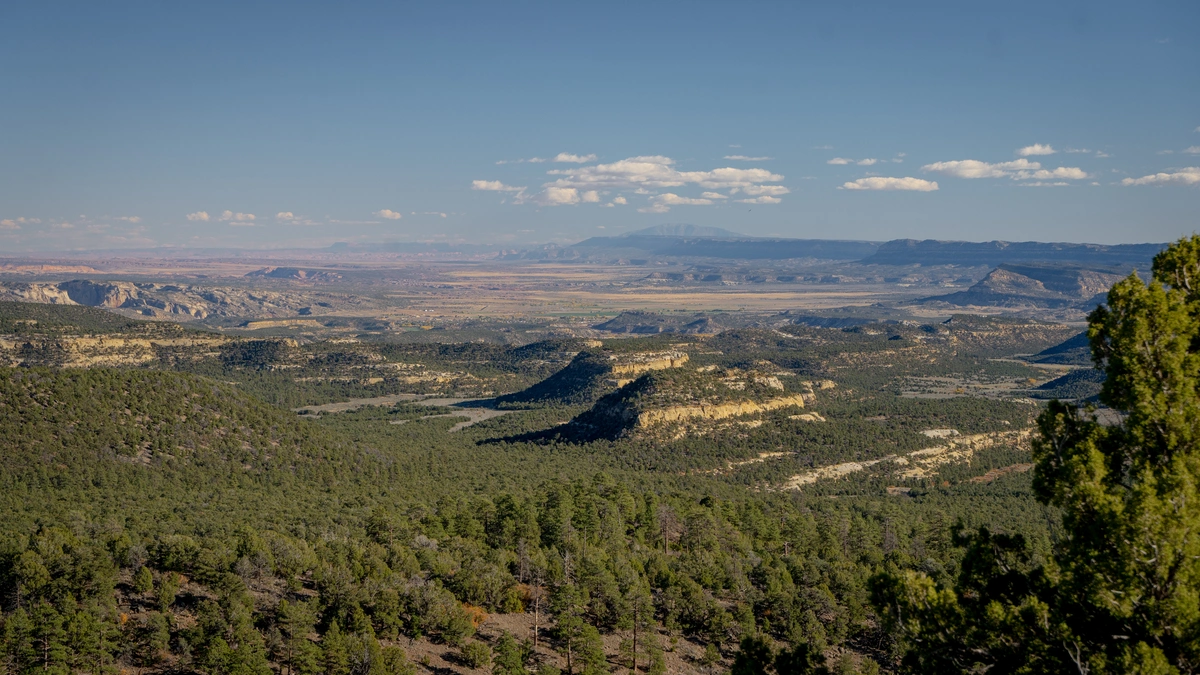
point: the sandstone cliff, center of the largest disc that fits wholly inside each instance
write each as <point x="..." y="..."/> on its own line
<point x="636" y="364"/>
<point x="683" y="399"/>
<point x="93" y="351"/>
<point x="718" y="411"/>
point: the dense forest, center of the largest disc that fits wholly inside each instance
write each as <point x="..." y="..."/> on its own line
<point x="149" y="507"/>
<point x="176" y="516"/>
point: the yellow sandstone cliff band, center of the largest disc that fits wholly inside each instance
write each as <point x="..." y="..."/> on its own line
<point x="718" y="411"/>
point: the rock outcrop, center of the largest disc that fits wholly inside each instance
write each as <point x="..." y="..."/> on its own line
<point x="593" y="373"/>
<point x="1034" y="286"/>
<point x="651" y="418"/>
<point x="95" y="351"/>
<point x="636" y="364"/>
<point x="682" y="399"/>
<point x="177" y="301"/>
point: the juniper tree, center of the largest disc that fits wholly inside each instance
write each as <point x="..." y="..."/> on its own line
<point x="1120" y="592"/>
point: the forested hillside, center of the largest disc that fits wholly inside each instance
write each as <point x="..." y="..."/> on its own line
<point x="165" y="517"/>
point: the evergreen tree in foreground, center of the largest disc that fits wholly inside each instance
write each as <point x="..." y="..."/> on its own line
<point x="1120" y="592"/>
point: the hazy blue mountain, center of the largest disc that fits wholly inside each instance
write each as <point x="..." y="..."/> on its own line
<point x="685" y="230"/>
<point x="994" y="253"/>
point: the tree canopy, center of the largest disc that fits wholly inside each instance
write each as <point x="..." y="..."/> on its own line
<point x="1120" y="590"/>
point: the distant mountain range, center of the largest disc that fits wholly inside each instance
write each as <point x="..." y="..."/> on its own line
<point x="686" y="230"/>
<point x="681" y="240"/>
<point x="993" y="253"/>
<point x="684" y="240"/>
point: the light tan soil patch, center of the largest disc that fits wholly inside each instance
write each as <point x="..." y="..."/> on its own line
<point x="920" y="463"/>
<point x="1002" y="471"/>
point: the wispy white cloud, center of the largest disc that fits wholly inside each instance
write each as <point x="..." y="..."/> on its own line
<point x="556" y="196"/>
<point x="890" y="183"/>
<point x="842" y="161"/>
<point x="765" y="199"/>
<point x="1068" y="172"/>
<point x="293" y="219"/>
<point x="1036" y="149"/>
<point x="773" y="190"/>
<point x="744" y="158"/>
<point x="388" y="214"/>
<point x="673" y="199"/>
<point x="494" y="186"/>
<point x="1193" y="150"/>
<point x="663" y="203"/>
<point x="238" y="218"/>
<point x="1045" y="184"/>
<point x="14" y="224"/>
<point x="641" y="175"/>
<point x="822" y="147"/>
<point x="231" y="216"/>
<point x="566" y="157"/>
<point x="1020" y="169"/>
<point x="973" y="168"/>
<point x="440" y="214"/>
<point x="531" y="160"/>
<point x="654" y="208"/>
<point x="657" y="171"/>
<point x="130" y="219"/>
<point x="1186" y="176"/>
<point x="199" y="216"/>
<point x="1165" y="152"/>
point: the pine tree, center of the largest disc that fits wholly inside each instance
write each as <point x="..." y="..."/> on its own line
<point x="509" y="658"/>
<point x="143" y="581"/>
<point x="754" y="657"/>
<point x="49" y="638"/>
<point x="168" y="588"/>
<point x="19" y="650"/>
<point x="335" y="652"/>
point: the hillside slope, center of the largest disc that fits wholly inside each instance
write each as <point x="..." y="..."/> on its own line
<point x="145" y="443"/>
<point x="591" y="374"/>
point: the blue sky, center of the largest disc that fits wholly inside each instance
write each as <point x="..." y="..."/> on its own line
<point x="127" y="125"/>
